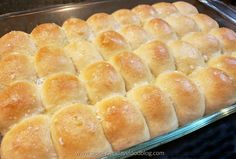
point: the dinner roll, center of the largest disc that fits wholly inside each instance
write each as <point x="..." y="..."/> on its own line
<point x="16" y="41"/>
<point x="122" y="122"/>
<point x="187" y="57"/>
<point x="29" y="139"/>
<point x="225" y="63"/>
<point x="49" y="60"/>
<point x="165" y="9"/>
<point x="218" y="88"/>
<point x="160" y="30"/>
<point x="156" y="107"/>
<point x="82" y="53"/>
<point x="135" y="35"/>
<point x="204" y="22"/>
<point x="17" y="101"/>
<point x="185" y="8"/>
<point x="157" y="57"/>
<point x="132" y="69"/>
<point x="102" y="80"/>
<point x="145" y="12"/>
<point x="188" y="100"/>
<point x="182" y="24"/>
<point x="49" y="34"/>
<point x="100" y="22"/>
<point x="207" y="44"/>
<point x="77" y="133"/>
<point x="16" y="67"/>
<point x="62" y="89"/>
<point x="77" y="29"/>
<point x="110" y="43"/>
<point x="126" y="17"/>
<point x="227" y="38"/>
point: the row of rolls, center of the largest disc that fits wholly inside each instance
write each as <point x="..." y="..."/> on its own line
<point x="90" y="88"/>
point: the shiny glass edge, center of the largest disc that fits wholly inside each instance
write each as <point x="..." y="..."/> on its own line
<point x="181" y="131"/>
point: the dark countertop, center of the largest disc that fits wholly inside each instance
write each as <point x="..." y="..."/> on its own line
<point x="217" y="140"/>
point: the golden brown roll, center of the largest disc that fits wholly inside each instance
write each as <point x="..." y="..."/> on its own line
<point x="160" y="30"/>
<point x="82" y="53"/>
<point x="207" y="44"/>
<point x="225" y="63"/>
<point x="218" y="88"/>
<point x="77" y="133"/>
<point x="49" y="60"/>
<point x="165" y="9"/>
<point x="29" y="139"/>
<point x="156" y="107"/>
<point x="17" y="101"/>
<point x="16" y="67"/>
<point x="16" y="41"/>
<point x="188" y="100"/>
<point x="122" y="122"/>
<point x="77" y="29"/>
<point x="110" y="43"/>
<point x="182" y="24"/>
<point x="204" y="22"/>
<point x="49" y="34"/>
<point x="126" y="17"/>
<point x="135" y="35"/>
<point x="145" y="12"/>
<point x="133" y="70"/>
<point x="61" y="89"/>
<point x="227" y="38"/>
<point x="185" y="8"/>
<point x="187" y="57"/>
<point x="156" y="55"/>
<point x="102" y="80"/>
<point x="100" y="22"/>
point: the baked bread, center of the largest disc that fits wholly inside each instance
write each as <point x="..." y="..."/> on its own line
<point x="225" y="63"/>
<point x="16" y="67"/>
<point x="61" y="89"/>
<point x="187" y="57"/>
<point x="102" y="80"/>
<point x="17" y="101"/>
<point x="207" y="44"/>
<point x="131" y="67"/>
<point x="227" y="38"/>
<point x="92" y="87"/>
<point x="77" y="133"/>
<point x="49" y="34"/>
<point x="17" y="41"/>
<point x="126" y="17"/>
<point x="204" y="22"/>
<point x="157" y="57"/>
<point x="157" y="109"/>
<point x="165" y="9"/>
<point x="82" y="53"/>
<point x="188" y="99"/>
<point x="145" y="12"/>
<point x="217" y="86"/>
<point x="110" y="43"/>
<point x="77" y="29"/>
<point x="101" y="22"/>
<point x="29" y="139"/>
<point x="50" y="60"/>
<point x="134" y="35"/>
<point x="122" y="122"/>
<point x="185" y="8"/>
<point x="177" y="21"/>
<point x="160" y="30"/>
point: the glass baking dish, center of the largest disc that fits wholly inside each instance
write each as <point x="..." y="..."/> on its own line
<point x="27" y="20"/>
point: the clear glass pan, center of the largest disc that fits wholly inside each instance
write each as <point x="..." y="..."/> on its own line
<point x="27" y="20"/>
